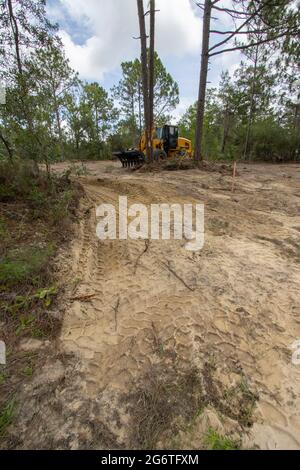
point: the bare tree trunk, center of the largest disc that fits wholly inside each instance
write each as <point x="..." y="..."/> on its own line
<point x="77" y="142"/>
<point x="133" y="125"/>
<point x="140" y="109"/>
<point x="151" y="70"/>
<point x="60" y="134"/>
<point x="25" y="110"/>
<point x="252" y="103"/>
<point x="16" y="35"/>
<point x="145" y="76"/>
<point x="296" y="152"/>
<point x="96" y="123"/>
<point x="15" y="30"/>
<point x="226" y="130"/>
<point x="203" y="81"/>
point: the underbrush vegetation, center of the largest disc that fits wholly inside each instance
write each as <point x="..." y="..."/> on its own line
<point x="36" y="210"/>
<point x="6" y="416"/>
<point x="24" y="265"/>
<point x="214" y="441"/>
<point x="168" y="402"/>
<point x="45" y="197"/>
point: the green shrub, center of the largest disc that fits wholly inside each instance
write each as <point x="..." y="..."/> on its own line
<point x="24" y="265"/>
<point x="3" y="229"/>
<point x="17" y="179"/>
<point x="215" y="441"/>
<point x="47" y="197"/>
<point x="2" y="377"/>
<point x="6" y="415"/>
<point x="60" y="208"/>
<point x="37" y="199"/>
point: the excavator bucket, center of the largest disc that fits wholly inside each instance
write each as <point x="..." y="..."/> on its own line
<point x="130" y="158"/>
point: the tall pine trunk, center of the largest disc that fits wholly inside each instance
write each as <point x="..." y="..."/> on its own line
<point x="22" y="81"/>
<point x="203" y="81"/>
<point x="15" y="30"/>
<point x="151" y="70"/>
<point x="59" y="128"/>
<point x="140" y="109"/>
<point x="145" y="76"/>
<point x="225" y="131"/>
<point x="252" y="104"/>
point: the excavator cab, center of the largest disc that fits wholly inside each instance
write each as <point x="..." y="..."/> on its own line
<point x="169" y="136"/>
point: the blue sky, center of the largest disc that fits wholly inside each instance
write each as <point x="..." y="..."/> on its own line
<point x="98" y="36"/>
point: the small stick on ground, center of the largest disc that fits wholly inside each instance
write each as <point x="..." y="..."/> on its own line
<point x="168" y="267"/>
<point x="83" y="297"/>
<point x="116" y="309"/>
<point x="157" y="341"/>
<point x="234" y="176"/>
<point x="136" y="265"/>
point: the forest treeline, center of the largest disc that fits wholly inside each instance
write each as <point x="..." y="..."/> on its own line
<point x="51" y="115"/>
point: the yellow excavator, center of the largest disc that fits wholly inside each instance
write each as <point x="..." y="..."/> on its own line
<point x="166" y="143"/>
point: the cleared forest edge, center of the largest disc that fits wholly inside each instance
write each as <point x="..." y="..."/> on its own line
<point x="146" y="362"/>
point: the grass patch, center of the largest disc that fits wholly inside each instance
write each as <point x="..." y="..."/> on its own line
<point x="24" y="265"/>
<point x="77" y="170"/>
<point x="3" y="229"/>
<point x="51" y="199"/>
<point x="2" y="378"/>
<point x="168" y="401"/>
<point x="163" y="396"/>
<point x="214" y="441"/>
<point x="6" y="415"/>
<point x="28" y="371"/>
<point x="237" y="402"/>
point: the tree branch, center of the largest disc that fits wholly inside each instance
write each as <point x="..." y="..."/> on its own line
<point x="253" y="44"/>
<point x="233" y="12"/>
<point x="258" y="31"/>
<point x="234" y="33"/>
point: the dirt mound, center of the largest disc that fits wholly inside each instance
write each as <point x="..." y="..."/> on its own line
<point x="180" y="164"/>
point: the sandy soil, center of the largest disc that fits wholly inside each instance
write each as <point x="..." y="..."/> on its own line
<point x="233" y="306"/>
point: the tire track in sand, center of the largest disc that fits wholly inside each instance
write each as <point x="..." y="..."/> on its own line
<point x="136" y="312"/>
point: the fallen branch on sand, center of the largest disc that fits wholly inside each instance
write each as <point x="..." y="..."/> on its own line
<point x="83" y="297"/>
<point x="136" y="265"/>
<point x="168" y="267"/>
<point x="233" y="177"/>
<point x="116" y="309"/>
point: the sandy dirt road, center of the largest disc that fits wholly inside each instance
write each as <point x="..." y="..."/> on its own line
<point x="155" y="312"/>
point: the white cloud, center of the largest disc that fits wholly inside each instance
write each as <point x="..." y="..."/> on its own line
<point x="112" y="24"/>
<point x="230" y="61"/>
<point x="185" y="103"/>
<point x="179" y="30"/>
<point x="85" y="58"/>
